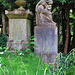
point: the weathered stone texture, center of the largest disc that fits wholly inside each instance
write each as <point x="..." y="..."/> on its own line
<point x="46" y="41"/>
<point x="19" y="28"/>
<point x="45" y="32"/>
<point x="19" y="33"/>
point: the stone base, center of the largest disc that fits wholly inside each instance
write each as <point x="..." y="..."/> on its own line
<point x="47" y="58"/>
<point x="47" y="43"/>
<point x="18" y="45"/>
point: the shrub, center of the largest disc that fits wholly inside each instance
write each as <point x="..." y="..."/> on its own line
<point x="3" y="40"/>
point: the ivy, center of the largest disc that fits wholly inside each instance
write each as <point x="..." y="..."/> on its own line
<point x="72" y="16"/>
<point x="4" y="3"/>
<point x="65" y="1"/>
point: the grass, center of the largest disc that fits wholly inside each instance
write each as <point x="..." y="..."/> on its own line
<point x="21" y="65"/>
<point x="14" y="64"/>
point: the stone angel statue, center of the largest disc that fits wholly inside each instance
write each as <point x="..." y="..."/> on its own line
<point x="43" y="13"/>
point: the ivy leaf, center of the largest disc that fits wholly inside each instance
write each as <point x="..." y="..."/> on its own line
<point x="28" y="49"/>
<point x="8" y="52"/>
<point x="6" y="49"/>
<point x="72" y="16"/>
<point x="32" y="39"/>
<point x="19" y="51"/>
<point x="0" y="48"/>
<point x="31" y="42"/>
<point x="35" y="47"/>
<point x="31" y="54"/>
<point x="63" y="1"/>
<point x="28" y="44"/>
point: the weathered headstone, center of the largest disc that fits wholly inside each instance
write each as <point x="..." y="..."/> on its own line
<point x="19" y="27"/>
<point x="45" y="32"/>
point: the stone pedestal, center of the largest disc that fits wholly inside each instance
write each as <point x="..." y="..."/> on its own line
<point x="19" y="28"/>
<point x="46" y="42"/>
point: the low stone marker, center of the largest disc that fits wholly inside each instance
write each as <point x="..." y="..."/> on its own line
<point x="45" y="32"/>
<point x="19" y="27"/>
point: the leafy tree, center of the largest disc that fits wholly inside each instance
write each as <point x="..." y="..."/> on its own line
<point x="3" y="5"/>
<point x="63" y="7"/>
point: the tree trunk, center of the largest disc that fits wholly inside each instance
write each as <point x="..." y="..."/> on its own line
<point x="59" y="26"/>
<point x="63" y="26"/>
<point x="3" y="22"/>
<point x="67" y="31"/>
<point x="69" y="41"/>
<point x="10" y="9"/>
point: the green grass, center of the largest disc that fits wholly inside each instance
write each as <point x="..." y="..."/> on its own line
<point x="21" y="65"/>
<point x="14" y="64"/>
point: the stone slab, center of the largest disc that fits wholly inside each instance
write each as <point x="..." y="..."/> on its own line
<point x="18" y="30"/>
<point x="47" y="42"/>
<point x="18" y="45"/>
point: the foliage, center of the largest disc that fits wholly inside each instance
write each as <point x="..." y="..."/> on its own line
<point x="66" y="65"/>
<point x="65" y="1"/>
<point x="3" y="40"/>
<point x="30" y="45"/>
<point x="3" y="4"/>
<point x="70" y="63"/>
<point x="29" y="48"/>
<point x="21" y="65"/>
<point x="71" y="15"/>
<point x="12" y="64"/>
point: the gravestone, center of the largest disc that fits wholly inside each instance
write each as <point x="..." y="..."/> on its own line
<point x="45" y="32"/>
<point x="19" y="27"/>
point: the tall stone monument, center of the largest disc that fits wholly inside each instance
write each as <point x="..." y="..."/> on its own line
<point x="19" y="27"/>
<point x="45" y="32"/>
